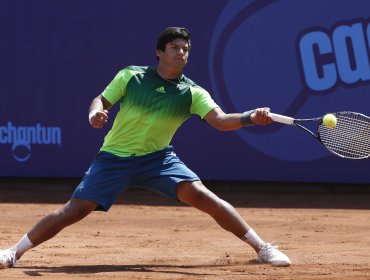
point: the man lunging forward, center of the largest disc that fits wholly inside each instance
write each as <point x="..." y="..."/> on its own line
<point x="154" y="102"/>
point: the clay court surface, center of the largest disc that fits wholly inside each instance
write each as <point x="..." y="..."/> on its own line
<point x="146" y="236"/>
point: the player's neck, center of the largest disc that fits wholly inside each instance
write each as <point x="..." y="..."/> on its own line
<point x="168" y="73"/>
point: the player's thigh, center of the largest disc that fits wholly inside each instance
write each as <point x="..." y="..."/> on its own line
<point x="106" y="178"/>
<point x="162" y="172"/>
<point x="197" y="195"/>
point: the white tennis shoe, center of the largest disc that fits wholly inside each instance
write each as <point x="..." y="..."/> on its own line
<point x="7" y="258"/>
<point x="270" y="254"/>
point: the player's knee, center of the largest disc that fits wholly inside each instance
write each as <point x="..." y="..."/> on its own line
<point x="71" y="213"/>
<point x="194" y="195"/>
<point x="201" y="198"/>
<point x="198" y="196"/>
<point x="208" y="201"/>
<point x="226" y="205"/>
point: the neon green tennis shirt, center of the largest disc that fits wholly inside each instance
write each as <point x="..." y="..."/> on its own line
<point x="151" y="110"/>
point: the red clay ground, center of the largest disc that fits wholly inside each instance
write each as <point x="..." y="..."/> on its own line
<point x="146" y="236"/>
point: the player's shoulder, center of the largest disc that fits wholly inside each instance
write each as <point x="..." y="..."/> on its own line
<point x="130" y="71"/>
<point x="136" y="69"/>
<point x="191" y="83"/>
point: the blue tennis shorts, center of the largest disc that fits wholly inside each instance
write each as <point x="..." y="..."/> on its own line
<point x="109" y="175"/>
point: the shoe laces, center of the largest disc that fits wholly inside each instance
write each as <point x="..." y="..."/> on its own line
<point x="269" y="249"/>
<point x="269" y="246"/>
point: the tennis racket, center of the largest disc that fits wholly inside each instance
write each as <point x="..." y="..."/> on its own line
<point x="349" y="139"/>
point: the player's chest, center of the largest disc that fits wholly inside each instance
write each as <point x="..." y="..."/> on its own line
<point x="158" y="91"/>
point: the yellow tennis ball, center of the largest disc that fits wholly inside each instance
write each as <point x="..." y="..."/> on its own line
<point x="329" y="120"/>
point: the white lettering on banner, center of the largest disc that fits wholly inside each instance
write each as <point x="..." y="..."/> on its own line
<point x="22" y="137"/>
<point x="340" y="55"/>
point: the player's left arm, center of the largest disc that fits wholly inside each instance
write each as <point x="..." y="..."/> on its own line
<point x="223" y="121"/>
<point x="98" y="111"/>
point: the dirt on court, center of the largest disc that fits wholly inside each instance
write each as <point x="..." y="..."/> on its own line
<point x="146" y="236"/>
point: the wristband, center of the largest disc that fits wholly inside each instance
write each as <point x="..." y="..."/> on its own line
<point x="245" y="118"/>
<point x="92" y="113"/>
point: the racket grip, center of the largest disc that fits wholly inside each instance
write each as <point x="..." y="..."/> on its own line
<point x="282" y="119"/>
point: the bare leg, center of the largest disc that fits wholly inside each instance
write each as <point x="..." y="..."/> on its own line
<point x="46" y="228"/>
<point x="197" y="195"/>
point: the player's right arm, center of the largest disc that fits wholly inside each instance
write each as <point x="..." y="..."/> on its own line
<point x="98" y="111"/>
<point x="114" y="92"/>
<point x="226" y="122"/>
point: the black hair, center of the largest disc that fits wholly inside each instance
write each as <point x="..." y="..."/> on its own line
<point x="170" y="34"/>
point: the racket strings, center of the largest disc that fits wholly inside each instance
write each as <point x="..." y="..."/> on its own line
<point x="350" y="138"/>
<point x="351" y="135"/>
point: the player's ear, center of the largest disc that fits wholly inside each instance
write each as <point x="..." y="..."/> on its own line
<point x="158" y="53"/>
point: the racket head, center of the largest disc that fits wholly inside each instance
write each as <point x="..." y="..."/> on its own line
<point x="350" y="138"/>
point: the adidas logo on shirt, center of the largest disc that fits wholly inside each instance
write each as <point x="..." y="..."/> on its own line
<point x="160" y="89"/>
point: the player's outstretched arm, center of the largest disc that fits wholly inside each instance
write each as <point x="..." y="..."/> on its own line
<point x="98" y="111"/>
<point x="226" y="122"/>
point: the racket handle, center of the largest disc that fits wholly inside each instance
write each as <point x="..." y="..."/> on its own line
<point x="282" y="119"/>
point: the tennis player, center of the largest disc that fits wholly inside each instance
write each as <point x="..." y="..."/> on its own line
<point x="154" y="102"/>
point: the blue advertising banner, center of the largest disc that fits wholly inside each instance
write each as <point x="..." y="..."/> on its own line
<point x="300" y="58"/>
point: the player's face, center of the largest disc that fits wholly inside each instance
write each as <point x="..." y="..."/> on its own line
<point x="176" y="53"/>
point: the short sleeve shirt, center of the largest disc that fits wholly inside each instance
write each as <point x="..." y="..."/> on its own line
<point x="151" y="110"/>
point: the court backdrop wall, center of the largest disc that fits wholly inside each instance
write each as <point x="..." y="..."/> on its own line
<point x="301" y="58"/>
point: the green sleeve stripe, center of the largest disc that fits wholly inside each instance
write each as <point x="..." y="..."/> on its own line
<point x="116" y="90"/>
<point x="202" y="102"/>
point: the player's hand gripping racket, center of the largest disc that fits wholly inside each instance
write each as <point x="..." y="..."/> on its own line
<point x="349" y="138"/>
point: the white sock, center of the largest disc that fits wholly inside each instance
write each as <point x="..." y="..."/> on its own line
<point x="252" y="238"/>
<point x="23" y="246"/>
